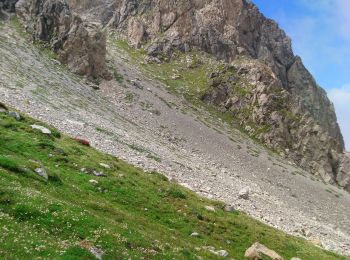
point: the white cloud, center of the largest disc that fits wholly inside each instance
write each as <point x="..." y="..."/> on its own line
<point x="341" y="99"/>
<point x="335" y="13"/>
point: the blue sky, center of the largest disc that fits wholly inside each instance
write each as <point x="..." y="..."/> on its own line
<point x="320" y="32"/>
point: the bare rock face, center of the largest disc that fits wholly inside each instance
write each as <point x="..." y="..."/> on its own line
<point x="8" y="5"/>
<point x="6" y="8"/>
<point x="343" y="177"/>
<point x="251" y="91"/>
<point x="81" y="45"/>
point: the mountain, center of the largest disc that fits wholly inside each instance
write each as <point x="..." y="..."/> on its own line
<point x="207" y="92"/>
<point x="282" y="105"/>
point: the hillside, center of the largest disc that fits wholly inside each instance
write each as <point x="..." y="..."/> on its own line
<point x="164" y="99"/>
<point x="84" y="201"/>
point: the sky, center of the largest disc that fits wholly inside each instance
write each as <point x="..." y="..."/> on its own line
<point x="320" y="32"/>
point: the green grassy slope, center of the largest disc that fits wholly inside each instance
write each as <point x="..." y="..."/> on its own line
<point x="129" y="213"/>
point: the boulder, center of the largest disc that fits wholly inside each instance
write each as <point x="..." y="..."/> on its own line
<point x="258" y="251"/>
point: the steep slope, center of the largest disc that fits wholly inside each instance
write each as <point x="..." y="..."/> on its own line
<point x="138" y="118"/>
<point x="94" y="206"/>
<point x="236" y="30"/>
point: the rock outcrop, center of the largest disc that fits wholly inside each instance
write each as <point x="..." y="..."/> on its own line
<point x="251" y="91"/>
<point x="6" y="8"/>
<point x="79" y="44"/>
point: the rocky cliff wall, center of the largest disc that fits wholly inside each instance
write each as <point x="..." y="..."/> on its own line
<point x="79" y="44"/>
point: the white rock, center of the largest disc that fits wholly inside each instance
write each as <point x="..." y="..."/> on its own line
<point x="229" y="208"/>
<point x="210" y="208"/>
<point x="105" y="165"/>
<point x="42" y="172"/>
<point x="244" y="193"/>
<point x="43" y="129"/>
<point x="194" y="234"/>
<point x="222" y="253"/>
<point x="94" y="182"/>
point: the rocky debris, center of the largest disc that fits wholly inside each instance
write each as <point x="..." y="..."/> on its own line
<point x="258" y="251"/>
<point x="79" y="44"/>
<point x="43" y="129"/>
<point x="82" y="141"/>
<point x="244" y="193"/>
<point x="42" y="172"/>
<point x="15" y="115"/>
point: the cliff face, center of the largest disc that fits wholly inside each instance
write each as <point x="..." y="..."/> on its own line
<point x="79" y="44"/>
<point x="294" y="115"/>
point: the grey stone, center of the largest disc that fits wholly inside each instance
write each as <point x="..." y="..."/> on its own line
<point x="229" y="208"/>
<point x="42" y="172"/>
<point x="244" y="193"/>
<point x="222" y="253"/>
<point x="258" y="251"/>
<point x="15" y="115"/>
<point x="210" y="208"/>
